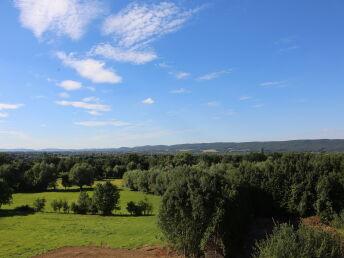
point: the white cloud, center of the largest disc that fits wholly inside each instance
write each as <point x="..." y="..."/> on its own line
<point x="91" y="99"/>
<point x="148" y="101"/>
<point x="3" y="115"/>
<point x="123" y="55"/>
<point x="99" y="123"/>
<point x="140" y="24"/>
<point x="181" y="75"/>
<point x="94" y="113"/>
<point x="80" y="104"/>
<point x="243" y="98"/>
<point x="214" y="75"/>
<point x="273" y="83"/>
<point x="64" y="95"/>
<point x="62" y="17"/>
<point x="179" y="91"/>
<point x="90" y="69"/>
<point x="10" y="106"/>
<point x="213" y="104"/>
<point x="70" y="85"/>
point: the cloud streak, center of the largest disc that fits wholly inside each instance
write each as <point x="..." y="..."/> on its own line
<point x="214" y="75"/>
<point x="84" y="105"/>
<point x="70" y="85"/>
<point x="89" y="68"/>
<point x="102" y="123"/>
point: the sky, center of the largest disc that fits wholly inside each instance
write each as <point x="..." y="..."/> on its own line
<point x="112" y="73"/>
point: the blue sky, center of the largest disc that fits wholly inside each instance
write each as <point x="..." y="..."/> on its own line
<point x="101" y="74"/>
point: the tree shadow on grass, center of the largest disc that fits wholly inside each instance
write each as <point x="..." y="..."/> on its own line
<point x="74" y="190"/>
<point x="14" y="212"/>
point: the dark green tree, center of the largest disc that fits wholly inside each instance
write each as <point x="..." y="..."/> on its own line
<point x="82" y="174"/>
<point x="106" y="197"/>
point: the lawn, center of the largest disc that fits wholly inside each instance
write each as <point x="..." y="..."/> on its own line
<point x="25" y="236"/>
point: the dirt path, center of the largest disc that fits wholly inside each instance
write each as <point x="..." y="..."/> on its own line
<point x="91" y="251"/>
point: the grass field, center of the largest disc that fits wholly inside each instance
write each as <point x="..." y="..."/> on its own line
<point x="25" y="236"/>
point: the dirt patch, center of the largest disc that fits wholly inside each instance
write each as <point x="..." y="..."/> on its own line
<point x="316" y="222"/>
<point x="92" y="251"/>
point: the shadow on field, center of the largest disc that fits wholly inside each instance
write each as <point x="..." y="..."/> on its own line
<point x="70" y="190"/>
<point x="12" y="213"/>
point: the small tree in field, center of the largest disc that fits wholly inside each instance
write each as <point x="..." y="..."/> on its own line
<point x="54" y="205"/>
<point x="81" y="174"/>
<point x="84" y="203"/>
<point x="39" y="204"/>
<point x="106" y="197"/>
<point x="65" y="206"/>
<point x="131" y="207"/>
<point x="5" y="193"/>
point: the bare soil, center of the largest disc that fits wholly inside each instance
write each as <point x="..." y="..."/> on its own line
<point x="92" y="251"/>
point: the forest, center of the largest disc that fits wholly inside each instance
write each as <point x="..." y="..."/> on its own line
<point x="209" y="202"/>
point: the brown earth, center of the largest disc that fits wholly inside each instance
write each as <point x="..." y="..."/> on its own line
<point x="92" y="251"/>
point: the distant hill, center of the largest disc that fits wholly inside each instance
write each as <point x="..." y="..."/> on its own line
<point x="218" y="147"/>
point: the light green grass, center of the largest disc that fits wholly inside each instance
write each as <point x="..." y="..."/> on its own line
<point x="25" y="236"/>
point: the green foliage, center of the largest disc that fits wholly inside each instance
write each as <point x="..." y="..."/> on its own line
<point x="82" y="174"/>
<point x="202" y="209"/>
<point x="106" y="198"/>
<point x="5" y="193"/>
<point x="39" y="204"/>
<point x="144" y="207"/>
<point x="287" y="242"/>
<point x="338" y="220"/>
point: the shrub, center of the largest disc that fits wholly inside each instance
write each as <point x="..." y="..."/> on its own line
<point x="338" y="220"/>
<point x="84" y="203"/>
<point x="74" y="208"/>
<point x="65" y="206"/>
<point x="106" y="198"/>
<point x="5" y="193"/>
<point x="144" y="207"/>
<point x="39" y="204"/>
<point x="54" y="205"/>
<point x="287" y="242"/>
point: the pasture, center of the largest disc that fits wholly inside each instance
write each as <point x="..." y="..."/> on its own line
<point x="28" y="235"/>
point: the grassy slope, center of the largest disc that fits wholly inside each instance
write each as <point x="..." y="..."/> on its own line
<point x="24" y="236"/>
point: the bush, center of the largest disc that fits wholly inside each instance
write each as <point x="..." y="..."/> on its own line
<point x="84" y="203"/>
<point x="144" y="207"/>
<point x="74" y="208"/>
<point x="338" y="220"/>
<point x="287" y="242"/>
<point x="106" y="198"/>
<point x="39" y="204"/>
<point x="65" y="206"/>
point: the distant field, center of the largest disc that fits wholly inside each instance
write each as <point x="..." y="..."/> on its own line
<point x="25" y="236"/>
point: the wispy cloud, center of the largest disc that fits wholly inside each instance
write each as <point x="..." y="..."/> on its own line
<point x="258" y="105"/>
<point x="230" y="112"/>
<point x="84" y="105"/>
<point x="3" y="115"/>
<point x="179" y="91"/>
<point x="213" y="104"/>
<point x="62" y="17"/>
<point x="91" y="69"/>
<point x="64" y="95"/>
<point x="273" y="83"/>
<point x="214" y="75"/>
<point x="91" y="99"/>
<point x="181" y="75"/>
<point x="20" y="135"/>
<point x="148" y="101"/>
<point x="94" y="113"/>
<point x="102" y="123"/>
<point x="70" y="85"/>
<point x="10" y="106"/>
<point x="139" y="24"/>
<point x="123" y="55"/>
<point x="243" y="98"/>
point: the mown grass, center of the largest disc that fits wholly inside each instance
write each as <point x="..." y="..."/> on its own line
<point x="25" y="236"/>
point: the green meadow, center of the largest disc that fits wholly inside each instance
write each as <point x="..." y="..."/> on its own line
<point x="28" y="235"/>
